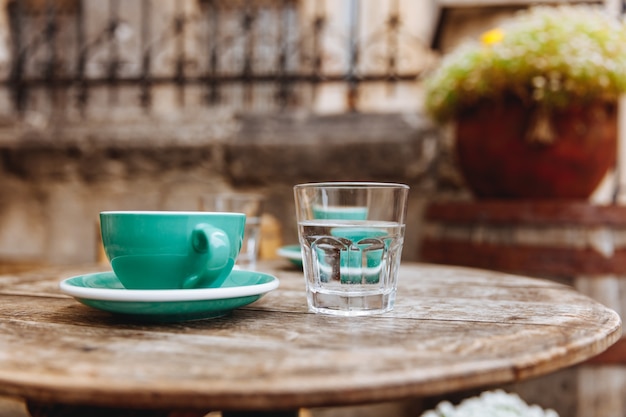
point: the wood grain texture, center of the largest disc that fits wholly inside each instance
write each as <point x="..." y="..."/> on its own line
<point x="526" y="212"/>
<point x="600" y="385"/>
<point x="559" y="238"/>
<point x="452" y="328"/>
<point x="536" y="260"/>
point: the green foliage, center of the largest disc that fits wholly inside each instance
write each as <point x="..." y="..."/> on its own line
<point x="550" y="56"/>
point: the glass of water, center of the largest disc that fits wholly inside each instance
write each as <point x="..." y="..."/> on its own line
<point x="252" y="206"/>
<point x="351" y="234"/>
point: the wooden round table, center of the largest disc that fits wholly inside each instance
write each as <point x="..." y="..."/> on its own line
<point x="452" y="328"/>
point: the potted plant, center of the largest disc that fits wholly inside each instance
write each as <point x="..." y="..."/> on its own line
<point x="534" y="102"/>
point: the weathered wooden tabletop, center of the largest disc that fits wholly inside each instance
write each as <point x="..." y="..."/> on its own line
<point x="452" y="328"/>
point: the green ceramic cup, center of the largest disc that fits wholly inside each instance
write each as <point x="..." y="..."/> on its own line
<point x="171" y="250"/>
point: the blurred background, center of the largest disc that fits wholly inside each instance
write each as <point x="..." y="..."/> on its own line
<point x="109" y="104"/>
<point x="151" y="104"/>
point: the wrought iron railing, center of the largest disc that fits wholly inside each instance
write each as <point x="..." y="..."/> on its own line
<point x="249" y="54"/>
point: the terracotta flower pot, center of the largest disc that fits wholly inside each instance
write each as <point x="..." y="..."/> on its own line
<point x="501" y="156"/>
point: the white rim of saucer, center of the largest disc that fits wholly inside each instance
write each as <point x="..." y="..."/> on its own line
<point x="196" y="294"/>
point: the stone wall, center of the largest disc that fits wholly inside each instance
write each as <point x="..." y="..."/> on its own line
<point x="55" y="180"/>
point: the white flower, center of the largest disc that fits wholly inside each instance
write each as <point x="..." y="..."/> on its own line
<point x="490" y="404"/>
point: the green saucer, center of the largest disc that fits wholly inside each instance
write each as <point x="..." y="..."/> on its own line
<point x="104" y="291"/>
<point x="292" y="253"/>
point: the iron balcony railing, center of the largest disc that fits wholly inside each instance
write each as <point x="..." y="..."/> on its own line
<point x="263" y="54"/>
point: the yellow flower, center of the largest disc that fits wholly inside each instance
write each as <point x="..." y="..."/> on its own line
<point x="492" y="36"/>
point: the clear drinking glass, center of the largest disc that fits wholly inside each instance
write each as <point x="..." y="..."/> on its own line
<point x="351" y="234"/>
<point x="252" y="206"/>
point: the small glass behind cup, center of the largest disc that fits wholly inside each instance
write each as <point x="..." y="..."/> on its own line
<point x="351" y="234"/>
<point x="252" y="206"/>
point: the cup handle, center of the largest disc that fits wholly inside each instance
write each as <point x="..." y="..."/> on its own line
<point x="215" y="244"/>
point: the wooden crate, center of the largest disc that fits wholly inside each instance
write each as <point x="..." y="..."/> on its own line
<point x="574" y="242"/>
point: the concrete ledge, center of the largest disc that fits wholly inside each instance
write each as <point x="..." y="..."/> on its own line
<point x="248" y="150"/>
<point x="54" y="181"/>
<point x="292" y="149"/>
